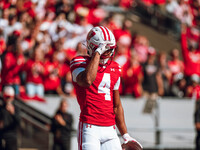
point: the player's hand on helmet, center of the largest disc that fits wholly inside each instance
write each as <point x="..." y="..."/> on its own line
<point x="128" y="138"/>
<point x="102" y="48"/>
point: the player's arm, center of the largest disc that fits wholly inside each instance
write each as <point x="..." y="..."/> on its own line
<point x="184" y="45"/>
<point x="86" y="77"/>
<point x="119" y="118"/>
<point x="119" y="113"/>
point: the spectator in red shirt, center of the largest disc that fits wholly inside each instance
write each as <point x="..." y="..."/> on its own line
<point x="193" y="90"/>
<point x="124" y="33"/>
<point x="192" y="34"/>
<point x="191" y="55"/>
<point x="95" y="16"/>
<point x="35" y="74"/>
<point x="2" y="49"/>
<point x="89" y="10"/>
<point x="87" y="3"/>
<point x="66" y="79"/>
<point x="126" y="4"/>
<point x="13" y="62"/>
<point x="122" y="53"/>
<point x="52" y="73"/>
<point x="29" y="7"/>
<point x="132" y="76"/>
<point x="58" y="47"/>
<point x="2" y="45"/>
<point x="141" y="45"/>
<point x="124" y="39"/>
<point x="175" y="64"/>
<point x="110" y="23"/>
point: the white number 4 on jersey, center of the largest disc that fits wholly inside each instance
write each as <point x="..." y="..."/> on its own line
<point x="104" y="86"/>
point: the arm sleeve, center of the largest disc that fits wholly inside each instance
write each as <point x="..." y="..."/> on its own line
<point x="77" y="65"/>
<point x="76" y="72"/>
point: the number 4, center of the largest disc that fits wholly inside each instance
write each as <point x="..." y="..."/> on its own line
<point x="104" y="86"/>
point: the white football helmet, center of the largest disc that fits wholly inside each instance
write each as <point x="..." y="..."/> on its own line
<point x="101" y="35"/>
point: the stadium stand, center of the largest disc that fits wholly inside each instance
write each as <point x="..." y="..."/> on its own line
<point x="38" y="38"/>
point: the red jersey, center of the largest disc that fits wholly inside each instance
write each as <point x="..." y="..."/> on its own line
<point x="53" y="74"/>
<point x="126" y="3"/>
<point x="96" y="101"/>
<point x="195" y="92"/>
<point x="123" y="36"/>
<point x="159" y="2"/>
<point x="51" y="78"/>
<point x="176" y="66"/>
<point x="148" y="2"/>
<point x="12" y="66"/>
<point x="2" y="45"/>
<point x="131" y="79"/>
<point x="191" y="59"/>
<point x="34" y="71"/>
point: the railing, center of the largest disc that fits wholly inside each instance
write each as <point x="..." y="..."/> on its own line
<point x="33" y="112"/>
<point x="32" y="120"/>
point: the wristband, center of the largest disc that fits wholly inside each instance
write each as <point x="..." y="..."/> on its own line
<point x="125" y="136"/>
<point x="98" y="50"/>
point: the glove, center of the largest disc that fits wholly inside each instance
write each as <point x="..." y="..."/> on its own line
<point x="101" y="49"/>
<point x="128" y="138"/>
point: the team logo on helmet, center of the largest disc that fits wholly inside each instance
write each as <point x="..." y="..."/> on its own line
<point x="90" y="34"/>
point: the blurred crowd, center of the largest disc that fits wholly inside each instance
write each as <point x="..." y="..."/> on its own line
<point x="38" y="38"/>
<point x="186" y="11"/>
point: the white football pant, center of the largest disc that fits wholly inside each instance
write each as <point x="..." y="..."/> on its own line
<point x="92" y="137"/>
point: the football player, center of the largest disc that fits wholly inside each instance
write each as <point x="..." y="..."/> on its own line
<point x="96" y="79"/>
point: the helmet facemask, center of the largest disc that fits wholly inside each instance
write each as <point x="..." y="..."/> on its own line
<point x="106" y="56"/>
